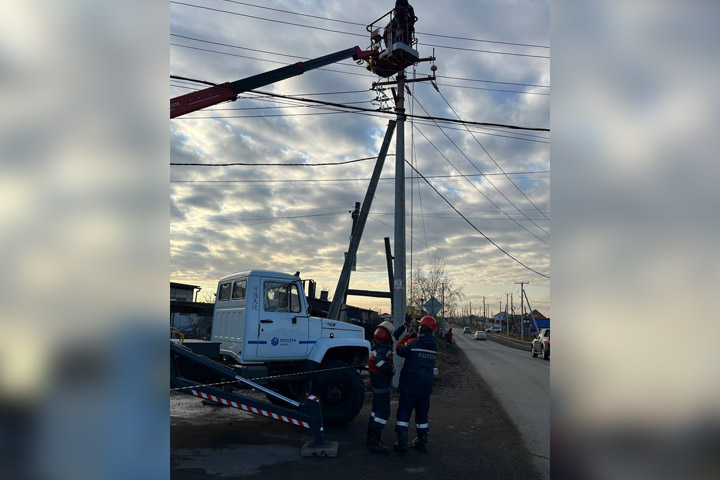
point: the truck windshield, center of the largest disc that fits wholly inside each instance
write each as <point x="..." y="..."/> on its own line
<point x="281" y="297"/>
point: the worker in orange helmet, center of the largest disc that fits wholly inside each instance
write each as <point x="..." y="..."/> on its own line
<point x="416" y="381"/>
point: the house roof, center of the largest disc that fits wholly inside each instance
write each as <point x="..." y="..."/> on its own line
<point x="183" y="286"/>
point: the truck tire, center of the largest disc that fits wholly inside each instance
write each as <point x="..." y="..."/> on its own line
<point x="341" y="393"/>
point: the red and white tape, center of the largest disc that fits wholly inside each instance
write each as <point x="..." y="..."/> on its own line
<point x="254" y="410"/>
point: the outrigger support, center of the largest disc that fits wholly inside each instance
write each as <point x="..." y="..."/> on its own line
<point x="308" y="414"/>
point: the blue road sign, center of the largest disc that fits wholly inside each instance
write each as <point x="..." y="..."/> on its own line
<point x="433" y="306"/>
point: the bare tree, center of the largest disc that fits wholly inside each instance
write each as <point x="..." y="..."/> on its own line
<point x="430" y="283"/>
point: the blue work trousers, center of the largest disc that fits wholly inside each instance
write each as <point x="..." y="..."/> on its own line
<point x="406" y="405"/>
<point x="381" y="407"/>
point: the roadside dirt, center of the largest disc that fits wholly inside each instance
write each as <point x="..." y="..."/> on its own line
<point x="471" y="436"/>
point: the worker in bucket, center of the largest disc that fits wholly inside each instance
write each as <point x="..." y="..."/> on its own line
<point x="402" y="24"/>
<point x="416" y="381"/>
<point x="381" y="374"/>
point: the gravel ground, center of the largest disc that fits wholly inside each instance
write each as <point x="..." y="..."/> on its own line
<point x="471" y="436"/>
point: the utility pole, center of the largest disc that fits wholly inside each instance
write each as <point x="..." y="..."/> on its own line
<point x="399" y="295"/>
<point x="507" y="319"/>
<point x="512" y="305"/>
<point x="484" y="312"/>
<point x="443" y="301"/>
<point x="522" y="309"/>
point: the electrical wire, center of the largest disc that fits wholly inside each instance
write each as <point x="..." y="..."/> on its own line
<point x="326" y="69"/>
<point x="363" y="25"/>
<point x="342" y="180"/>
<point x="350" y="33"/>
<point x="496" y="163"/>
<point x="243" y="164"/>
<point x="195" y="39"/>
<point x="474" y="227"/>
<point x="480" y="191"/>
<point x="478" y="169"/>
<point x="289" y="102"/>
<point x="340" y="105"/>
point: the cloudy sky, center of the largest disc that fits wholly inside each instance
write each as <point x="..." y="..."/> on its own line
<point x="228" y="219"/>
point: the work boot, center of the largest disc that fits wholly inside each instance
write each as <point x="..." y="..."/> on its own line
<point x="368" y="439"/>
<point x="376" y="445"/>
<point x="420" y="442"/>
<point x="402" y="442"/>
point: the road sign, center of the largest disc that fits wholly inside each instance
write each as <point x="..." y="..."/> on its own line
<point x="433" y="306"/>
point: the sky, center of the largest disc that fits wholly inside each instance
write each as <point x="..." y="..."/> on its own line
<point x="234" y="218"/>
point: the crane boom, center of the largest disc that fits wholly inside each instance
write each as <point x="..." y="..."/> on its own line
<point x="229" y="91"/>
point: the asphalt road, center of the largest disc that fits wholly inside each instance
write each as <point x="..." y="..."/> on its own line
<point x="522" y="385"/>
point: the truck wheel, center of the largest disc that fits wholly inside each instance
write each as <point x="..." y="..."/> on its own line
<point x="292" y="390"/>
<point x="341" y="393"/>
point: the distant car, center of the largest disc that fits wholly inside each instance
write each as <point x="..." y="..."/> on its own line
<point x="541" y="344"/>
<point x="480" y="335"/>
<point x="466" y="330"/>
<point x="494" y="330"/>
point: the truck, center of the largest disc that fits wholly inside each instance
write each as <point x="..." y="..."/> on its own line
<point x="262" y="321"/>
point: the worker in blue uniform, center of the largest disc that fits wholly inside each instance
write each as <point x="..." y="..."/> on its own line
<point x="416" y="380"/>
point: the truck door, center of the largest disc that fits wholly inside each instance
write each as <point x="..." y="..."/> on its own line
<point x="283" y="328"/>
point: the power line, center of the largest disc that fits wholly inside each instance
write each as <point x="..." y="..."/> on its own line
<point x="450" y="120"/>
<point x="362" y="74"/>
<point x="264" y="220"/>
<point x="349" y="33"/>
<point x="195" y="39"/>
<point x="340" y="105"/>
<point x="363" y="25"/>
<point x="480" y="191"/>
<point x="491" y="158"/>
<point x="243" y="164"/>
<point x="480" y="171"/>
<point x="342" y="180"/>
<point x="473" y="226"/>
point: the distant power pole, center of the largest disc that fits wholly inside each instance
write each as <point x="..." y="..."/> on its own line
<point x="507" y="319"/>
<point x="484" y="311"/>
<point x="522" y="309"/>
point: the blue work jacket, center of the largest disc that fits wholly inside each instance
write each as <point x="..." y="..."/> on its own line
<point x="418" y="370"/>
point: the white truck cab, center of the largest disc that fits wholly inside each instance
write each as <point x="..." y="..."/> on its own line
<point x="261" y="321"/>
<point x="263" y="316"/>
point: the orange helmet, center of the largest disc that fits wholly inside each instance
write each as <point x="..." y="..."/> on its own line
<point x="428" y="322"/>
<point x="383" y="332"/>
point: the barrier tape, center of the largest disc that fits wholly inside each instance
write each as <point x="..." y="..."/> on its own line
<point x="257" y="411"/>
<point x="313" y="372"/>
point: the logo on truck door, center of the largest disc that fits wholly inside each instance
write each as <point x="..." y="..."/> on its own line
<point x="282" y="341"/>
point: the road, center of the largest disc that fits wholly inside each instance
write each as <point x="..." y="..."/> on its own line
<point x="522" y="385"/>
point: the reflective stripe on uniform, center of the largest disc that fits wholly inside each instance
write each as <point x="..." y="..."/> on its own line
<point x="421" y="425"/>
<point x="402" y="424"/>
<point x="380" y="420"/>
<point x="372" y="414"/>
<point x="424" y="350"/>
<point x="380" y="363"/>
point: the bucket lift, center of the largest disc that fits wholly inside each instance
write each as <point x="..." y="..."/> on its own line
<point x="398" y="53"/>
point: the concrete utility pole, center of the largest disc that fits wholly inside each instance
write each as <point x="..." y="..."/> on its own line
<point x="522" y="309"/>
<point x="358" y="228"/>
<point x="484" y="312"/>
<point x="399" y="294"/>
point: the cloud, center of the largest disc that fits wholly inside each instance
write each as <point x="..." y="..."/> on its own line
<point x="221" y="225"/>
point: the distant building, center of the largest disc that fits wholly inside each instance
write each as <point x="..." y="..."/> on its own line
<point x="181" y="292"/>
<point x="191" y="318"/>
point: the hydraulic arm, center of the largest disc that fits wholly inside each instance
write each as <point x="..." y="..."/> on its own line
<point x="229" y="91"/>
